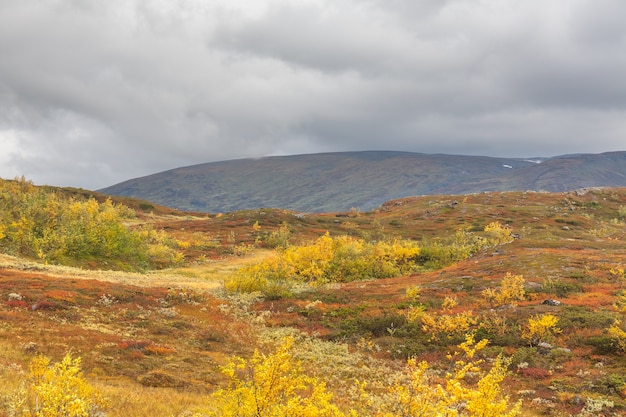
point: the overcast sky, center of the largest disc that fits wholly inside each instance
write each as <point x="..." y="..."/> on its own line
<point x="96" y="92"/>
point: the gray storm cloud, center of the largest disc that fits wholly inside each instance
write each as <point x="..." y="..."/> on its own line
<point x="93" y="93"/>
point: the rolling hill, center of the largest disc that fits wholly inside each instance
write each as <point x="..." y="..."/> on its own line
<point x="537" y="279"/>
<point x="332" y="182"/>
<point x="157" y="343"/>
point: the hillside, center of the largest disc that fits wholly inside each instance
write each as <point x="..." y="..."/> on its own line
<point x="154" y="343"/>
<point x="364" y="180"/>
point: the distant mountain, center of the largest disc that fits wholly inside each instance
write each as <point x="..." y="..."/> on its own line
<point x="331" y="182"/>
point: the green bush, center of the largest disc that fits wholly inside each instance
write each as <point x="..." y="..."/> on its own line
<point x="560" y="288"/>
<point x="576" y="317"/>
<point x="38" y="223"/>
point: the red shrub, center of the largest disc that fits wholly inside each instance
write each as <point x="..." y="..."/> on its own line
<point x="535" y="373"/>
<point x="16" y="303"/>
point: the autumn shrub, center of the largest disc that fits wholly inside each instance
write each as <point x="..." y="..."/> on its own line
<point x="511" y="291"/>
<point x="272" y="277"/>
<point x="271" y="385"/>
<point x="439" y="254"/>
<point x="326" y="260"/>
<point x="499" y="329"/>
<point x="618" y="272"/>
<point x="345" y="258"/>
<point x="498" y="234"/>
<point x="421" y="394"/>
<point x="463" y="244"/>
<point x="541" y="328"/>
<point x="38" y="223"/>
<point x="277" y="239"/>
<point x="412" y="293"/>
<point x="448" y="325"/>
<point x="618" y="335"/>
<point x="56" y="390"/>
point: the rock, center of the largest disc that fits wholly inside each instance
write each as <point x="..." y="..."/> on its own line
<point x="551" y="302"/>
<point x="544" y="346"/>
<point x="30" y="347"/>
<point x="577" y="400"/>
<point x="15" y="297"/>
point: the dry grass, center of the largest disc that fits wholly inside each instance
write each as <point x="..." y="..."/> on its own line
<point x="202" y="275"/>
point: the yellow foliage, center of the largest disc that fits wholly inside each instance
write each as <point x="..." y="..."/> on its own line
<point x="421" y="395"/>
<point x="498" y="234"/>
<point x="448" y="325"/>
<point x="620" y="303"/>
<point x="619" y="336"/>
<point x="511" y="290"/>
<point x="619" y="272"/>
<point x="449" y="303"/>
<point x="412" y="293"/>
<point x="494" y="323"/>
<point x="39" y="223"/>
<point x="327" y="259"/>
<point x="540" y="328"/>
<point x="272" y="386"/>
<point x="58" y="390"/>
<point x="182" y="244"/>
<point x="415" y="313"/>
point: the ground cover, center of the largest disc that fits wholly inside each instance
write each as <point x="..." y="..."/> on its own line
<point x="169" y="331"/>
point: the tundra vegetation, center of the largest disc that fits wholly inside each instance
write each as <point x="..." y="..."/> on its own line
<point x="43" y="224"/>
<point x="494" y="304"/>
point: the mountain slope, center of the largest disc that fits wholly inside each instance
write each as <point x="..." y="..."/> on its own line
<point x="340" y="181"/>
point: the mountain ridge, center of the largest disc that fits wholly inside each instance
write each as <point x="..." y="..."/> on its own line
<point x="339" y="181"/>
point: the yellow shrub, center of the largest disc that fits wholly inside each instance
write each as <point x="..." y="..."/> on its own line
<point x="448" y="325"/>
<point x="60" y="390"/>
<point x="541" y="328"/>
<point x="497" y="233"/>
<point x="421" y="395"/>
<point x="412" y="293"/>
<point x="618" y="272"/>
<point x="449" y="303"/>
<point x="618" y="335"/>
<point x="272" y="386"/>
<point x="511" y="290"/>
<point x="415" y="313"/>
<point x="620" y="303"/>
<point x="330" y="259"/>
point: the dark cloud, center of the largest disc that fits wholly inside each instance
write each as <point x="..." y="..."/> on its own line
<point x="93" y="93"/>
